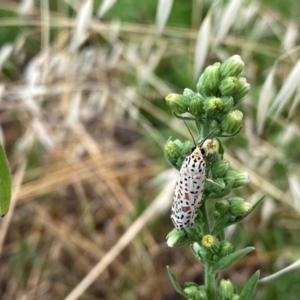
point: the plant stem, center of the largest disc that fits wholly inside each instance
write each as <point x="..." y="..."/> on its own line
<point x="210" y="283"/>
<point x="205" y="224"/>
<point x="222" y="235"/>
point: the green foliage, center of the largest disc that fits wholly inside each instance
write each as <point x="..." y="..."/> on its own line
<point x="213" y="117"/>
<point x="5" y="183"/>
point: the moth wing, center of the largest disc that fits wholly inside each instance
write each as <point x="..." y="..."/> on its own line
<point x="183" y="212"/>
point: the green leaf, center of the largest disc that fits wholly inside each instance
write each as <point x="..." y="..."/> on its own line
<point x="220" y="224"/>
<point x="175" y="283"/>
<point x="259" y="202"/>
<point x="5" y="183"/>
<point x="221" y="148"/>
<point x="230" y="259"/>
<point x="250" y="287"/>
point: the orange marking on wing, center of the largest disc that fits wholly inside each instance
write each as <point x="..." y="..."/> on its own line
<point x="186" y="196"/>
<point x="186" y="208"/>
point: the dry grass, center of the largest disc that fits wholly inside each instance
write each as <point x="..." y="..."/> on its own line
<point x="74" y="132"/>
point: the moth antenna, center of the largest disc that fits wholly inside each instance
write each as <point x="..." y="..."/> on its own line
<point x="190" y="132"/>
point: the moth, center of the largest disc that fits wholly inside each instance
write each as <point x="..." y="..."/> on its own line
<point x="189" y="189"/>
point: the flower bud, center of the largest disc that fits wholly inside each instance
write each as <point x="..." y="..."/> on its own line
<point x="198" y="251"/>
<point x="235" y="297"/>
<point x="219" y="168"/>
<point x="210" y="146"/>
<point x="190" y="290"/>
<point x="240" y="178"/>
<point x="196" y="105"/>
<point x="181" y="237"/>
<point x="242" y="88"/>
<point x="179" y="143"/>
<point x="196" y="247"/>
<point x="201" y="293"/>
<point x="216" y="215"/>
<point x="227" y="86"/>
<point x="233" y="66"/>
<point x="214" y="125"/>
<point x="222" y="207"/>
<point x="172" y="151"/>
<point x="226" y="248"/>
<point x="232" y="121"/>
<point x="227" y="104"/>
<point x="177" y="102"/>
<point x="210" y="243"/>
<point x="188" y="93"/>
<point x="176" y="238"/>
<point x="213" y="106"/>
<point x="226" y="289"/>
<point x="209" y="80"/>
<point x="218" y="185"/>
<point x="186" y="147"/>
<point x="239" y="207"/>
<point x="222" y="192"/>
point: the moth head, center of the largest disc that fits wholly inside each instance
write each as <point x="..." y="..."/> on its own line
<point x="210" y="147"/>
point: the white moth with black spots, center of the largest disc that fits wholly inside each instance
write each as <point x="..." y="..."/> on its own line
<point x="189" y="190"/>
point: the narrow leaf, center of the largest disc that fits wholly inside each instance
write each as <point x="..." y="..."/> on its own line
<point x="295" y="102"/>
<point x="175" y="283"/>
<point x="250" y="287"/>
<point x="5" y="52"/>
<point x="287" y="90"/>
<point x="266" y="95"/>
<point x="295" y="189"/>
<point x="83" y="19"/>
<point x="5" y="183"/>
<point x="230" y="259"/>
<point x="220" y="224"/>
<point x="227" y="20"/>
<point x="289" y="268"/>
<point x="162" y="14"/>
<point x="291" y="35"/>
<point x="105" y="7"/>
<point x="258" y="202"/>
<point x="202" y="44"/>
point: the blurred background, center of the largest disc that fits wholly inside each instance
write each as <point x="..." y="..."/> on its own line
<point x="83" y="121"/>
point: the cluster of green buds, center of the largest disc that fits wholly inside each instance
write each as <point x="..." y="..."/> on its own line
<point x="175" y="151"/>
<point x="216" y="255"/>
<point x="219" y="91"/>
<point x="195" y="292"/>
<point x="223" y="179"/>
<point x="226" y="291"/>
<point x="211" y="249"/>
<point x="213" y="109"/>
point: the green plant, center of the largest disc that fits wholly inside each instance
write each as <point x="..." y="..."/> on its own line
<point x="213" y="109"/>
<point x="5" y="183"/>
